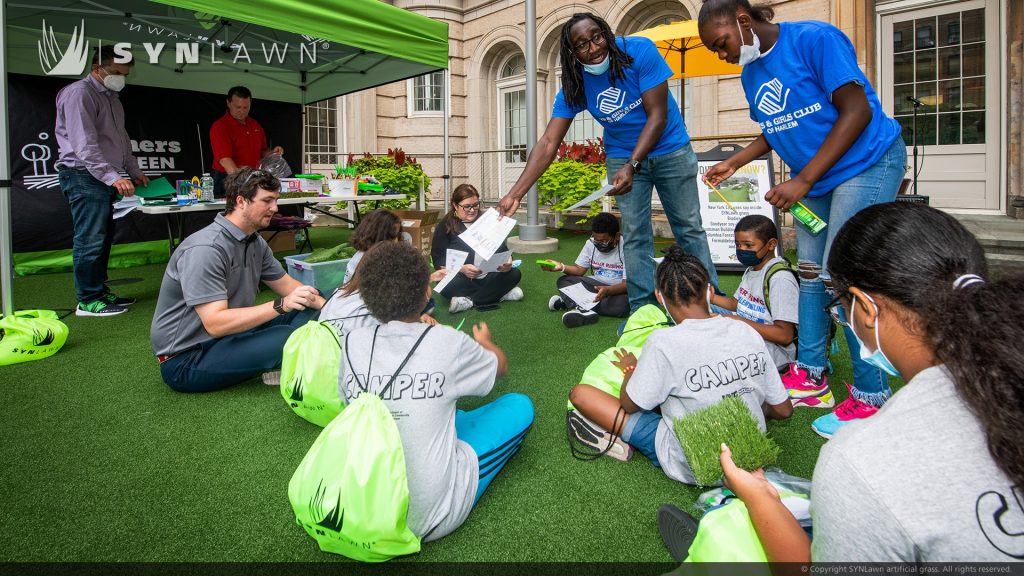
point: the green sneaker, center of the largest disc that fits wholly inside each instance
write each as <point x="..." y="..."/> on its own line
<point x="115" y="300"/>
<point x="99" y="308"/>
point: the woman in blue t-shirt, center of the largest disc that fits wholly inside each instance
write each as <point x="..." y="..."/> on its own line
<point x="624" y="84"/>
<point x="817" y="110"/>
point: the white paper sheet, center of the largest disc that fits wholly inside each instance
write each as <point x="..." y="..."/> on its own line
<point x="597" y="194"/>
<point x="126" y="205"/>
<point x="491" y="264"/>
<point x="486" y="234"/>
<point x="454" y="259"/>
<point x="579" y="294"/>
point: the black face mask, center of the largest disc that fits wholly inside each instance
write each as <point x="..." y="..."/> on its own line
<point x="605" y="247"/>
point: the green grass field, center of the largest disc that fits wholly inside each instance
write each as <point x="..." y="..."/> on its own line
<point x="103" y="462"/>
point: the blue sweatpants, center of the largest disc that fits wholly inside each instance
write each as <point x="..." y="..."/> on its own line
<point x="495" y="431"/>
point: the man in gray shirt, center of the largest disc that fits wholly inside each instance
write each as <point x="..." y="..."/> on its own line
<point x="95" y="152"/>
<point x="206" y="332"/>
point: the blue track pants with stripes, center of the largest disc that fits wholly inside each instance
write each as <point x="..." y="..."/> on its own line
<point x="495" y="431"/>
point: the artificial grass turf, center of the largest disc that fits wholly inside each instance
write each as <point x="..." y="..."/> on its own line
<point x="103" y="462"/>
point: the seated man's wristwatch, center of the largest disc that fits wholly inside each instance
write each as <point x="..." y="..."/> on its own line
<point x="635" y="164"/>
<point x="279" y="305"/>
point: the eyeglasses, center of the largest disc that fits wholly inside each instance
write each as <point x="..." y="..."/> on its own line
<point x="584" y="46"/>
<point x="835" y="310"/>
<point x="469" y="207"/>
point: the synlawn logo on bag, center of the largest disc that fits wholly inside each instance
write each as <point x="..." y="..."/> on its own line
<point x="334" y="520"/>
<point x="296" y="394"/>
<point x="40" y="340"/>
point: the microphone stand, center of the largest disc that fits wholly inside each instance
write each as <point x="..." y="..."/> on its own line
<point x="913" y="138"/>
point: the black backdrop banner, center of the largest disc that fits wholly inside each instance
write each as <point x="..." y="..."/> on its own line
<point x="163" y="127"/>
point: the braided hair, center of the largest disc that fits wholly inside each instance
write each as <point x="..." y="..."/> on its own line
<point x="682" y="278"/>
<point x="917" y="257"/>
<point x="727" y="8"/>
<point x="572" y="70"/>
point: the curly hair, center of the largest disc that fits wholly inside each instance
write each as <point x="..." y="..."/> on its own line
<point x="377" y="226"/>
<point x="572" y="70"/>
<point x="682" y="279"/>
<point x="245" y="183"/>
<point x="914" y="255"/>
<point x="605" y="223"/>
<point x="727" y="8"/>
<point x="393" y="281"/>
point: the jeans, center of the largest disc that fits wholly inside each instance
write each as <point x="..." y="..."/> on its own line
<point x="640" y="432"/>
<point x="222" y="362"/>
<point x="675" y="176"/>
<point x="495" y="431"/>
<point x="879" y="183"/>
<point x="616" y="305"/>
<point x="92" y="214"/>
<point x="483" y="291"/>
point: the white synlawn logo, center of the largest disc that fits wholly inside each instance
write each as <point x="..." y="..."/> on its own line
<point x="771" y="97"/>
<point x="68" y="62"/>
<point x="610" y="100"/>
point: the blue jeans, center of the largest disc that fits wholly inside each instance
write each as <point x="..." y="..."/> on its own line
<point x="222" y="362"/>
<point x="92" y="214"/>
<point x="495" y="431"/>
<point x="675" y="176"/>
<point x="640" y="432"/>
<point x="879" y="183"/>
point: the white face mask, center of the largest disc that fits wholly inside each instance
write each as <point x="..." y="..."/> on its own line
<point x="599" y="68"/>
<point x="113" y="82"/>
<point x="748" y="53"/>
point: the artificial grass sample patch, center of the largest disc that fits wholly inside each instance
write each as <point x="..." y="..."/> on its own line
<point x="702" y="433"/>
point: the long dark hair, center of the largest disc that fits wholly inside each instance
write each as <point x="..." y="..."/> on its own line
<point x="682" y="278"/>
<point x="715" y="8"/>
<point x="377" y="226"/>
<point x="452" y="222"/>
<point x="913" y="255"/>
<point x="572" y="70"/>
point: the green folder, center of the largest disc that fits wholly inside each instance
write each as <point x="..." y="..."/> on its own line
<point x="158" y="187"/>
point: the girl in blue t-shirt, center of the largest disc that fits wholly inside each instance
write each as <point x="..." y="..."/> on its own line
<point x="818" y="111"/>
<point x="623" y="83"/>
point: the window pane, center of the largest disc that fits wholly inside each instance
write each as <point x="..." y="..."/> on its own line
<point x="900" y="104"/>
<point x="974" y="128"/>
<point x="925" y="65"/>
<point x="949" y="29"/>
<point x="901" y="36"/>
<point x="907" y="123"/>
<point x="925" y="92"/>
<point x="974" y="94"/>
<point x="924" y="33"/>
<point x="973" y="25"/>
<point x="949" y="96"/>
<point x="949" y="129"/>
<point x="903" y="67"/>
<point x="974" y="60"/>
<point x="949" y="62"/>
<point x="926" y="129"/>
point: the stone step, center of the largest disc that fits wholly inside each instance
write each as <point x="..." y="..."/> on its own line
<point x="1001" y="265"/>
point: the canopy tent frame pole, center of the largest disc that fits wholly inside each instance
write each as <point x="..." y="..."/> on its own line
<point x="531" y="231"/>
<point x="6" y="238"/>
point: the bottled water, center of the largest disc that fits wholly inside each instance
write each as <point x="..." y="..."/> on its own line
<point x="206" y="184"/>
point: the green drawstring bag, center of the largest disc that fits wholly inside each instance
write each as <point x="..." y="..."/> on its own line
<point x="604" y="375"/>
<point x="30" y="335"/>
<point x="309" y="372"/>
<point x="351" y="493"/>
<point x="725" y="534"/>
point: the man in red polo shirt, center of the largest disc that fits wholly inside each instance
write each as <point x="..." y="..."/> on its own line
<point x="237" y="139"/>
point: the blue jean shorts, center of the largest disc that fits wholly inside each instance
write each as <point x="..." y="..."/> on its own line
<point x="640" y="432"/>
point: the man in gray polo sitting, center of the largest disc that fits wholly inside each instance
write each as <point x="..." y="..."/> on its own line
<point x="207" y="331"/>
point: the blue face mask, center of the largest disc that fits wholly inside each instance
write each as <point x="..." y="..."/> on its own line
<point x="876" y="358"/>
<point x="599" y="68"/>
<point x="748" y="257"/>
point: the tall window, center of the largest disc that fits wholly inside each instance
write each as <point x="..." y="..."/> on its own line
<point x="940" y="61"/>
<point x="428" y="92"/>
<point x="321" y="132"/>
<point x="512" y="95"/>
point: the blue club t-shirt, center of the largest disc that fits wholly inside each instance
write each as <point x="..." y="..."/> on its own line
<point x="619" y="108"/>
<point x="790" y="88"/>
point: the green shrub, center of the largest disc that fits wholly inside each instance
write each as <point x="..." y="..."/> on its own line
<point x="702" y="433"/>
<point x="566" y="182"/>
<point x="396" y="171"/>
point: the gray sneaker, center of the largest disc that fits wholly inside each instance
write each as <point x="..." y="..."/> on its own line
<point x="577" y="318"/>
<point x="592" y="435"/>
<point x="99" y="308"/>
<point x="272" y="378"/>
<point x="459" y="304"/>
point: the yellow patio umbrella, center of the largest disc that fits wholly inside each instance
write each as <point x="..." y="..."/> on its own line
<point x="680" y="45"/>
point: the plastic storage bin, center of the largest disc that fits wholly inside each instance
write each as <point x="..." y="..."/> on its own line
<point x="324" y="276"/>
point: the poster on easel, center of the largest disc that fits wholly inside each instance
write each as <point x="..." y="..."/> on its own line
<point x="739" y="195"/>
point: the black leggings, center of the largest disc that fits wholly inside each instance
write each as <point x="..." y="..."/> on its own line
<point x="486" y="290"/>
<point x="617" y="305"/>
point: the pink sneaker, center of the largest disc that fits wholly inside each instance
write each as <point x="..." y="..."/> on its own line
<point x="849" y="410"/>
<point x="800" y="384"/>
<point x="822" y="400"/>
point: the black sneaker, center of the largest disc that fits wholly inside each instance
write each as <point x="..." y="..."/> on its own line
<point x="115" y="300"/>
<point x="577" y="318"/>
<point x="556" y="303"/>
<point x="678" y="529"/>
<point x="99" y="308"/>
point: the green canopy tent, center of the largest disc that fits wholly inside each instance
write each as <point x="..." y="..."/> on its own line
<point x="295" y="51"/>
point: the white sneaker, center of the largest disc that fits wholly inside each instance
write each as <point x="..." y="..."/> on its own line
<point x="272" y="378"/>
<point x="595" y="437"/>
<point x="556" y="303"/>
<point x="459" y="304"/>
<point x="514" y="295"/>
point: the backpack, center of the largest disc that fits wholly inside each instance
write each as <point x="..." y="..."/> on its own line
<point x="309" y="372"/>
<point x="772" y="271"/>
<point x="351" y="490"/>
<point x="30" y="335"/>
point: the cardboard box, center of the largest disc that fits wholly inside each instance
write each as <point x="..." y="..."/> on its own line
<point x="280" y="241"/>
<point x="420" y="226"/>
